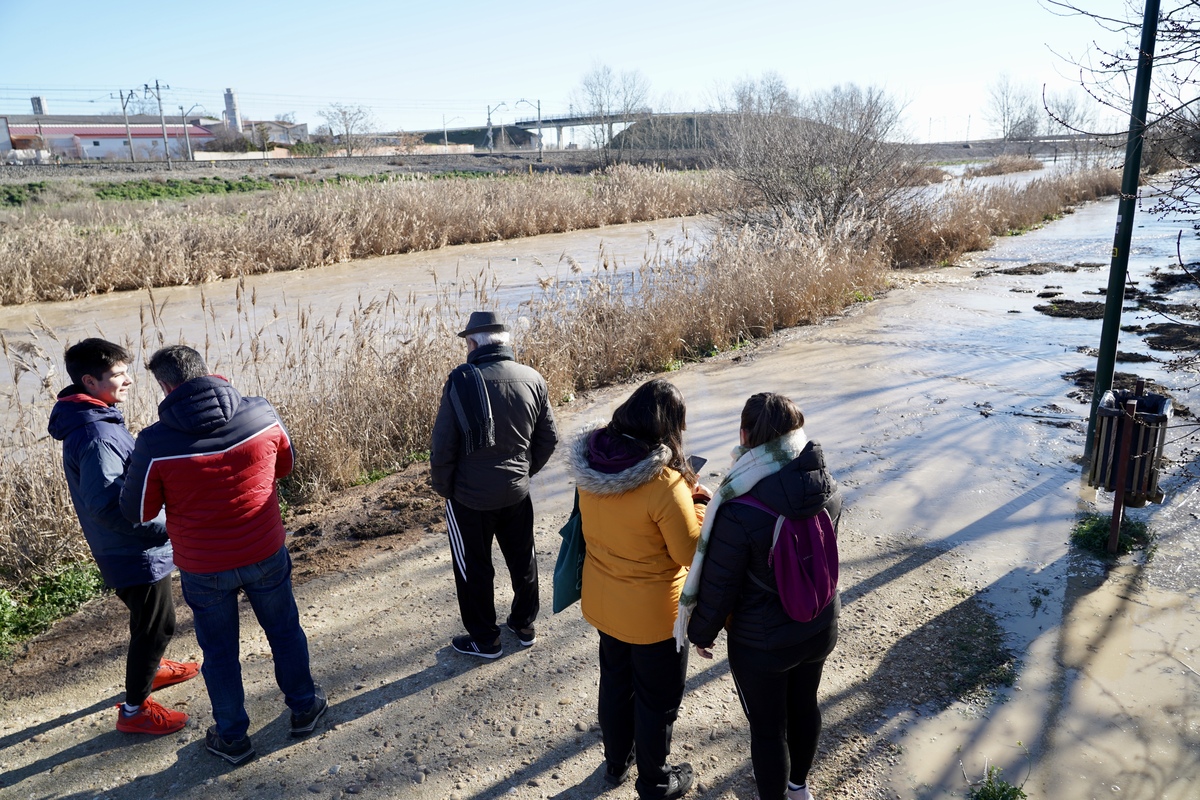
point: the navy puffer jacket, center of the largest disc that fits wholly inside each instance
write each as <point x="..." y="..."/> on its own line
<point x="739" y="544"/>
<point x="96" y="451"/>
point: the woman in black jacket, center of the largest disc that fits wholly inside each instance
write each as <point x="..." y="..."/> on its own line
<point x="776" y="661"/>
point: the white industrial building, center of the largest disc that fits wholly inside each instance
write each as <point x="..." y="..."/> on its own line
<point x="106" y="136"/>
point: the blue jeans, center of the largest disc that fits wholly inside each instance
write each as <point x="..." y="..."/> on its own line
<point x="213" y="600"/>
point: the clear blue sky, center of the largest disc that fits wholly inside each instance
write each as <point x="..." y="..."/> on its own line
<point x="413" y="63"/>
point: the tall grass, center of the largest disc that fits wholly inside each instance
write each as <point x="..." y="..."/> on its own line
<point x="94" y="250"/>
<point x="358" y="388"/>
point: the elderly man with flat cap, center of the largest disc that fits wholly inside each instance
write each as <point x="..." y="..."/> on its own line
<point x="494" y="429"/>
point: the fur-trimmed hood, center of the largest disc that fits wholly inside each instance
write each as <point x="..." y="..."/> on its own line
<point x="592" y="480"/>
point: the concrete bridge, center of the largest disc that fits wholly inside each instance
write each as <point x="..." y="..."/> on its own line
<point x="579" y="119"/>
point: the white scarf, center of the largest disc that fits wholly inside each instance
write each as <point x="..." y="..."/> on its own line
<point x="750" y="465"/>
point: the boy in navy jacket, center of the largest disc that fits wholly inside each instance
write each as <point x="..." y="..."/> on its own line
<point x="135" y="560"/>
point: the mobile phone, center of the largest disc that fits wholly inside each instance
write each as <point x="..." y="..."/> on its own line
<point x="696" y="463"/>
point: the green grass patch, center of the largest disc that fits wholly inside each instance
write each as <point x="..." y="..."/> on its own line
<point x="371" y="476"/>
<point x="1091" y="533"/>
<point x="994" y="787"/>
<point x="171" y="188"/>
<point x="466" y="173"/>
<point x="29" y="610"/>
<point x="18" y="194"/>
<point x="378" y="177"/>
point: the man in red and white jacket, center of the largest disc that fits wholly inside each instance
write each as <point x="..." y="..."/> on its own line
<point x="212" y="460"/>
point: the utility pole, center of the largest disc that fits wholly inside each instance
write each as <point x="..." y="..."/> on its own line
<point x="1115" y="296"/>
<point x="539" y="118"/>
<point x="186" y="137"/>
<point x="124" y="106"/>
<point x="490" y="109"/>
<point x="157" y="92"/>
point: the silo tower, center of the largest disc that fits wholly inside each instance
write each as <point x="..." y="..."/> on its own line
<point x="233" y="119"/>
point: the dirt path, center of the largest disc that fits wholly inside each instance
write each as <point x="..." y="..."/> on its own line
<point x="411" y="718"/>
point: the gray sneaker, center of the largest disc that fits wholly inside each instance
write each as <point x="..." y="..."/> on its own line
<point x="304" y="724"/>
<point x="234" y="752"/>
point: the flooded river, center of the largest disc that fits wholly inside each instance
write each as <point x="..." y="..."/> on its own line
<point x="510" y="272"/>
<point x="943" y="411"/>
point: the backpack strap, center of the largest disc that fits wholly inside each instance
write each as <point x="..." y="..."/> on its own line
<point x="754" y="502"/>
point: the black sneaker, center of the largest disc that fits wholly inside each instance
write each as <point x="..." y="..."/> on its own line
<point x="304" y="724"/>
<point x="679" y="782"/>
<point x="233" y="752"/>
<point x="466" y="644"/>
<point x="616" y="778"/>
<point x="526" y="636"/>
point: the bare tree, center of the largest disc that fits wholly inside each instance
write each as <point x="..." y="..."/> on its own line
<point x="1172" y="143"/>
<point x="1171" y="146"/>
<point x="262" y="137"/>
<point x="1013" y="110"/>
<point x="818" y="159"/>
<point x="1071" y="114"/>
<point x="609" y="99"/>
<point x="351" y="124"/>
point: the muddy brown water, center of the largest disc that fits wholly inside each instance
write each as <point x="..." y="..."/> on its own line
<point x="944" y="413"/>
<point x="510" y="272"/>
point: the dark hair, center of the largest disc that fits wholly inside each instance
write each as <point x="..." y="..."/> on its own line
<point x="655" y="414"/>
<point x="768" y="416"/>
<point x="177" y="364"/>
<point x="93" y="357"/>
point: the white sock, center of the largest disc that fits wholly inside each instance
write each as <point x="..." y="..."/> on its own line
<point x="129" y="710"/>
<point x="793" y="787"/>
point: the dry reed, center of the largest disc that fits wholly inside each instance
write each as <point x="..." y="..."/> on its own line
<point x="96" y="249"/>
<point x="964" y="218"/>
<point x="358" y="389"/>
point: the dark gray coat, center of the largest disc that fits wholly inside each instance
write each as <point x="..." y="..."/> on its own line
<point x="498" y="476"/>
<point x="739" y="544"/>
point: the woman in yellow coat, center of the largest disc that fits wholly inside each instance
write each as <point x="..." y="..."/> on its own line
<point x="642" y="508"/>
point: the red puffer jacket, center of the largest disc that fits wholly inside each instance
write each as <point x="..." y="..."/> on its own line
<point x="212" y="459"/>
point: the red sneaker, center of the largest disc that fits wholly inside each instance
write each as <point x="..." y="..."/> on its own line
<point x="151" y="718"/>
<point x="173" y="672"/>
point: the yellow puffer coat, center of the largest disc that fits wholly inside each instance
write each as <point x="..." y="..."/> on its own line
<point x="641" y="529"/>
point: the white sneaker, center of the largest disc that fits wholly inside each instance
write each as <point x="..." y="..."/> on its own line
<point x="799" y="794"/>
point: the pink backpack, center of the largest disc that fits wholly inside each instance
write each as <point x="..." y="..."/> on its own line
<point x="805" y="557"/>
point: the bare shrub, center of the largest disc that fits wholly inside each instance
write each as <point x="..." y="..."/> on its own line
<point x="819" y="158"/>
